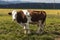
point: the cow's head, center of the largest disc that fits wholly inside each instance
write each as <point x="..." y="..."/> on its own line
<point x="13" y="13"/>
<point x="10" y="13"/>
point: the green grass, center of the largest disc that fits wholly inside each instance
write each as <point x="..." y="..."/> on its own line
<point x="10" y="30"/>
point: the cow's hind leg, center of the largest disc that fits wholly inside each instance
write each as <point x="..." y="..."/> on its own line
<point x="40" y="27"/>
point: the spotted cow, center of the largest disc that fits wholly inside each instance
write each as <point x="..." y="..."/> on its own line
<point x="26" y="17"/>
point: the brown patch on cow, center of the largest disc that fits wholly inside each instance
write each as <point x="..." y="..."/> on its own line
<point x="20" y="17"/>
<point x="22" y="13"/>
<point x="38" y="15"/>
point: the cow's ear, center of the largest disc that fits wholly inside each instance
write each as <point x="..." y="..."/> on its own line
<point x="10" y="13"/>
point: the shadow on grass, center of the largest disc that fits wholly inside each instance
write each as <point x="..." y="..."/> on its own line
<point x="35" y="36"/>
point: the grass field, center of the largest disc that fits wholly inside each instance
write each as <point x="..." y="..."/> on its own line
<point x="10" y="30"/>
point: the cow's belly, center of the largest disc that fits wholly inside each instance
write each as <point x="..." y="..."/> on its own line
<point x="33" y="22"/>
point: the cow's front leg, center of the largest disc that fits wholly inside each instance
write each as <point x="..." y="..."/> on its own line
<point x="26" y="28"/>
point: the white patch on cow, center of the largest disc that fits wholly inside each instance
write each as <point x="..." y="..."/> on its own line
<point x="26" y="12"/>
<point x="27" y="15"/>
<point x="14" y="12"/>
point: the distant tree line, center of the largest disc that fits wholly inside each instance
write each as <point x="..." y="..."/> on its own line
<point x="33" y="6"/>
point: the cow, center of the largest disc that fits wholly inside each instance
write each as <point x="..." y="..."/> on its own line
<point x="26" y="17"/>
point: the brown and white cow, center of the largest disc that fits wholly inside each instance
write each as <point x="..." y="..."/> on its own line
<point x="26" y="17"/>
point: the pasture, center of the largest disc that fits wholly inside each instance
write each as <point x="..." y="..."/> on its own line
<point x="10" y="30"/>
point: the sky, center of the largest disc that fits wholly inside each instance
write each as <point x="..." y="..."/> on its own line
<point x="44" y="1"/>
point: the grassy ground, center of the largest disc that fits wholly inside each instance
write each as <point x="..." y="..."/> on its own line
<point x="10" y="30"/>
